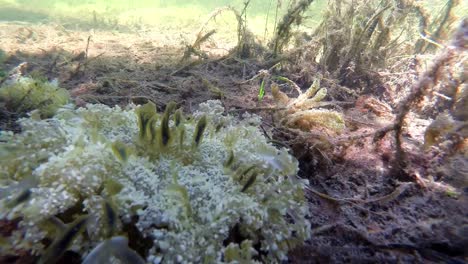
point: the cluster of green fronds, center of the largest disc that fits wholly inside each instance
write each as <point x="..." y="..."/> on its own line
<point x="242" y="254"/>
<point x="26" y="94"/>
<point x="154" y="140"/>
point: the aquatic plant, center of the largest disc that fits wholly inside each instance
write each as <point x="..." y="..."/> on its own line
<point x="206" y="188"/>
<point x="26" y="94"/>
<point x="3" y="57"/>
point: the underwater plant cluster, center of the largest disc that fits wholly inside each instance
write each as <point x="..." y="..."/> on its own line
<point x="203" y="188"/>
<point x="25" y="94"/>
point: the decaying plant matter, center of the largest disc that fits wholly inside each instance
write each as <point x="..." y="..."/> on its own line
<point x="436" y="30"/>
<point x="304" y="113"/>
<point x="443" y="124"/>
<point x="244" y="36"/>
<point x="283" y="31"/>
<point x="356" y="36"/>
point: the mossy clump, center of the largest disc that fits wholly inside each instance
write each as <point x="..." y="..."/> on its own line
<point x="188" y="184"/>
<point x="27" y="94"/>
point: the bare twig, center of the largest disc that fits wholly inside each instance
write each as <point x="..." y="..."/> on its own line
<point x="240" y="109"/>
<point x="87" y="47"/>
<point x="383" y="199"/>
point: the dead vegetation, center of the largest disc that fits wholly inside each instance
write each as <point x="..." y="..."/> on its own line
<point x="283" y="32"/>
<point x="359" y="38"/>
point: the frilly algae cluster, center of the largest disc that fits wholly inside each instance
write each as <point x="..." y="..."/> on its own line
<point x="206" y="188"/>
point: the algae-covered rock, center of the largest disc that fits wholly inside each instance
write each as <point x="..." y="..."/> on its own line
<point x="189" y="184"/>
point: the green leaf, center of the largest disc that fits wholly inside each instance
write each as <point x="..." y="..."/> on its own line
<point x="261" y="93"/>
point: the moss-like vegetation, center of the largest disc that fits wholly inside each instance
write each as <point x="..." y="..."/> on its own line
<point x="190" y="183"/>
<point x="26" y="94"/>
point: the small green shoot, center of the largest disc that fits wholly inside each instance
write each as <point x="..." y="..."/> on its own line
<point x="200" y="128"/>
<point x="145" y="113"/>
<point x="121" y="151"/>
<point x="261" y="92"/>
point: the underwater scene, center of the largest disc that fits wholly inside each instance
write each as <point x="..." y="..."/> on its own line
<point x="233" y="131"/>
